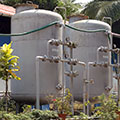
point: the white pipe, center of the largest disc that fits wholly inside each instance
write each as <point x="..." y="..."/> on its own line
<point x="88" y="79"/>
<point x="115" y="65"/>
<point x="84" y="84"/>
<point x="115" y="34"/>
<point x="48" y="49"/>
<point x="60" y="71"/>
<point x="84" y="88"/>
<point x="98" y="55"/>
<point x="71" y="69"/>
<point x="63" y="78"/>
<point x="105" y="49"/>
<point x="37" y="84"/>
<point x="118" y="61"/>
<point x="110" y="84"/>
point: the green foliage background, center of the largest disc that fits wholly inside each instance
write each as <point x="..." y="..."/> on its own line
<point x="70" y="5"/>
<point x="97" y="9"/>
<point x="43" y="4"/>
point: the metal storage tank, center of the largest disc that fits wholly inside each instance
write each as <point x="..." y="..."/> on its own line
<point x="32" y="45"/>
<point x="88" y="43"/>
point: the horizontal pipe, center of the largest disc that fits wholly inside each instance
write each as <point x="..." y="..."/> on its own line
<point x="58" y="59"/>
<point x="57" y="42"/>
<point x="106" y="49"/>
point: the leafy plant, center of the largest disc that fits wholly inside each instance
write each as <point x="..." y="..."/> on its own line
<point x="8" y="65"/>
<point x="70" y="6"/>
<point x="44" y="115"/>
<point x="82" y="116"/>
<point x="22" y="116"/>
<point x="62" y="104"/>
<point x="34" y="115"/>
<point x="9" y="116"/>
<point x="97" y="9"/>
<point x="107" y="109"/>
<point x="26" y="108"/>
<point x="43" y="4"/>
<point x="11" y="105"/>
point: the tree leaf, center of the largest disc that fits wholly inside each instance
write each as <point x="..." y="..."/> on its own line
<point x="13" y="57"/>
<point x="97" y="9"/>
<point x="13" y="74"/>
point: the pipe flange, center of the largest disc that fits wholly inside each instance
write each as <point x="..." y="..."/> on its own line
<point x="108" y="88"/>
<point x="59" y="87"/>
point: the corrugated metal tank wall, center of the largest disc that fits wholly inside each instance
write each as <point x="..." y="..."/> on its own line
<point x="87" y="52"/>
<point x="32" y="45"/>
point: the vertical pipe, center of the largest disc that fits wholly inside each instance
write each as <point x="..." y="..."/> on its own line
<point x="118" y="92"/>
<point x="63" y="64"/>
<point x="37" y="84"/>
<point x="60" y="75"/>
<point x="63" y="71"/>
<point x="88" y="79"/>
<point x="71" y="69"/>
<point x="118" y="61"/>
<point x="84" y="90"/>
<point x="48" y="49"/>
<point x="109" y="62"/>
<point x="97" y="55"/>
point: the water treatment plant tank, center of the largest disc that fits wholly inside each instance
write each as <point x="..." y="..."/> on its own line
<point x="32" y="45"/>
<point x="88" y="43"/>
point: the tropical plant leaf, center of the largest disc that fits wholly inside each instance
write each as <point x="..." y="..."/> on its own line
<point x="14" y="75"/>
<point x="14" y="70"/>
<point x="4" y="47"/>
<point x="8" y="63"/>
<point x="13" y="57"/>
<point x="97" y="9"/>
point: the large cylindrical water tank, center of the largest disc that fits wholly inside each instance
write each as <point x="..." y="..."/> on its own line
<point x="35" y="44"/>
<point x="88" y="43"/>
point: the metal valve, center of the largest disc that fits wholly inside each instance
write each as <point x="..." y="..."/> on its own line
<point x="92" y="81"/>
<point x="71" y="44"/>
<point x="72" y="61"/>
<point x="72" y="73"/>
<point x="117" y="50"/>
<point x="89" y="81"/>
<point x="56" y="59"/>
<point x="103" y="49"/>
<point x="94" y="64"/>
<point x="59" y="87"/>
<point x="117" y="76"/>
<point x="44" y="58"/>
<point x="108" y="88"/>
<point x="54" y="42"/>
<point x="104" y="64"/>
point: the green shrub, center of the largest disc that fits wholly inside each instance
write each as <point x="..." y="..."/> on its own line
<point x="44" y="115"/>
<point x="34" y="115"/>
<point x="107" y="109"/>
<point x="22" y="116"/>
<point x="11" y="105"/>
<point x="8" y="116"/>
